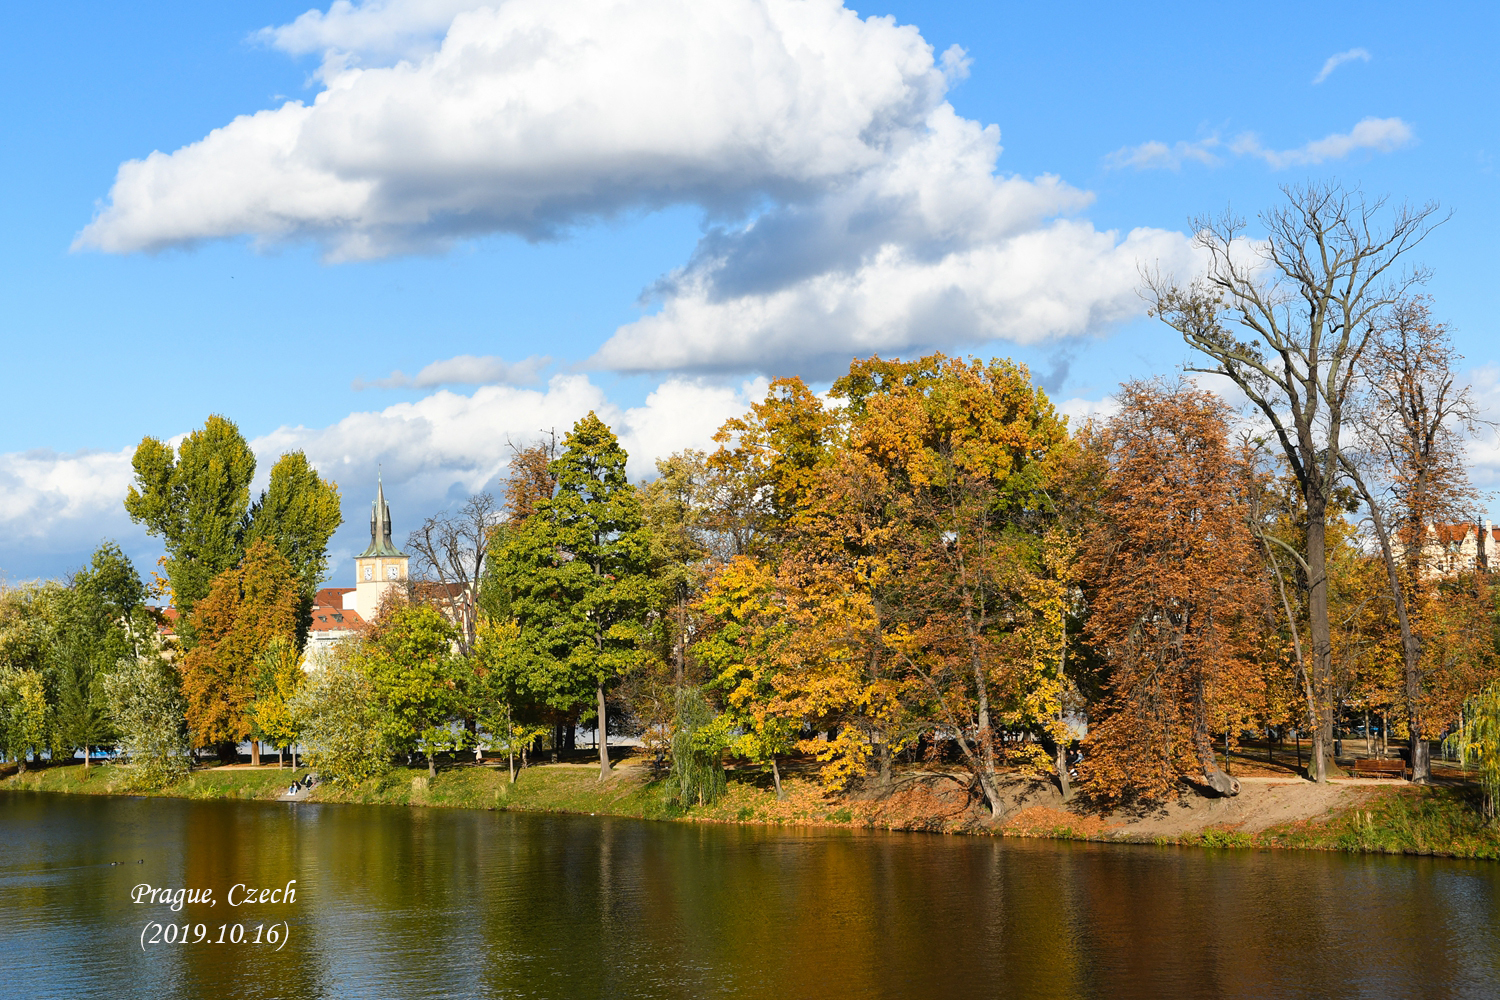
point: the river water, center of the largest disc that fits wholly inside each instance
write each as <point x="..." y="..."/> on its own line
<point x="398" y="903"/>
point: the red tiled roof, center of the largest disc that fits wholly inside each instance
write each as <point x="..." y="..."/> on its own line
<point x="331" y="597"/>
<point x="1449" y="533"/>
<point x="335" y="620"/>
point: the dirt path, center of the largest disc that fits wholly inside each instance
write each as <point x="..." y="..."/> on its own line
<point x="1263" y="802"/>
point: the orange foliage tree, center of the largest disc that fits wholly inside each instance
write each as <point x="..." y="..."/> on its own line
<point x="247" y="608"/>
<point x="1179" y="595"/>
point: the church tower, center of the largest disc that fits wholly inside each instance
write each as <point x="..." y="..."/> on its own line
<point x="380" y="567"/>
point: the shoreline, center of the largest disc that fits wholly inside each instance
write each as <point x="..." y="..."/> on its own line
<point x="1360" y="816"/>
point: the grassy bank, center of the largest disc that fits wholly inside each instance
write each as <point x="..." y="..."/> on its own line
<point x="1399" y="819"/>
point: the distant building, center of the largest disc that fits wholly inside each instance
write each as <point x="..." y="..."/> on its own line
<point x="1451" y="549"/>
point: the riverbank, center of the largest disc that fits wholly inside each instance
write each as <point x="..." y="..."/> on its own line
<point x="1277" y="811"/>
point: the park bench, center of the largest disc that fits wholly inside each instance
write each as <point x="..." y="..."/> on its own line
<point x="1379" y="767"/>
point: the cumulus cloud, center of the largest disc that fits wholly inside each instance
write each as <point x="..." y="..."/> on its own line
<point x="1027" y="289"/>
<point x="466" y="369"/>
<point x="54" y="508"/>
<point x="432" y="452"/>
<point x="531" y="116"/>
<point x="849" y="207"/>
<point x="1337" y="60"/>
<point x="929" y="248"/>
<point x="1376" y="135"/>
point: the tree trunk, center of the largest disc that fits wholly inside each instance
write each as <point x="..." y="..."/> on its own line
<point x="279" y="758"/>
<point x="87" y="752"/>
<point x="776" y="777"/>
<point x="883" y="757"/>
<point x="255" y="753"/>
<point x="1321" y="636"/>
<point x="1062" y="771"/>
<point x="1411" y="644"/>
<point x="1216" y="779"/>
<point x="603" y="734"/>
<point x="431" y="765"/>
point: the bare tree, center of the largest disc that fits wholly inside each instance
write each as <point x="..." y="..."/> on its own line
<point x="450" y="551"/>
<point x="1411" y="474"/>
<point x="1309" y="296"/>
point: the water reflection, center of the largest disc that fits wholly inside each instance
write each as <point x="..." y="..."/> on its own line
<point x="436" y="903"/>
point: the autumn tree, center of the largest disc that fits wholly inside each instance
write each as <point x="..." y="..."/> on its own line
<point x="1178" y="597"/>
<point x="576" y="572"/>
<point x="747" y="644"/>
<point x="1287" y="319"/>
<point x="247" y="609"/>
<point x="764" y="466"/>
<point x="1411" y="476"/>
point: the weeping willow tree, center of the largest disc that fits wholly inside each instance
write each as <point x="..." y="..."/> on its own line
<point x="1479" y="743"/>
<point x="698" y="746"/>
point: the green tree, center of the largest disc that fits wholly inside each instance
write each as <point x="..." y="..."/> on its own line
<point x="102" y="621"/>
<point x="195" y="501"/>
<point x="577" y="574"/>
<point x="198" y="502"/>
<point x="27" y="725"/>
<point x="148" y="710"/>
<point x="415" y="676"/>
<point x="298" y="513"/>
<point x="280" y="678"/>
<point x="340" y="721"/>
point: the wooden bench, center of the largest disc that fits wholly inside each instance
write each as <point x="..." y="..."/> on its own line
<point x="1379" y="767"/>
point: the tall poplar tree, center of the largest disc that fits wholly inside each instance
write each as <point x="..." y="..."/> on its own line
<point x="576" y="570"/>
<point x="198" y="502"/>
<point x="195" y="500"/>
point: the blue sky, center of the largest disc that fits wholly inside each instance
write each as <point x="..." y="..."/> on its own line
<point x="660" y="223"/>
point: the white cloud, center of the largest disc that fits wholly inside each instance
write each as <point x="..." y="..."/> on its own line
<point x="1155" y="155"/>
<point x="55" y="508"/>
<point x="1027" y="289"/>
<point x="466" y="369"/>
<point x="1337" y="60"/>
<point x="1377" y="135"/>
<point x="929" y="249"/>
<point x="1484" y="447"/>
<point x="532" y="116"/>
<point x="877" y="220"/>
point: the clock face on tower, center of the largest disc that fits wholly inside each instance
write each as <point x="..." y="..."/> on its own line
<point x="392" y="572"/>
<point x="369" y="572"/>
